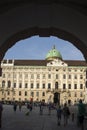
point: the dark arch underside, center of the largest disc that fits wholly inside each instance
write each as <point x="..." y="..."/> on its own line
<point x="43" y="32"/>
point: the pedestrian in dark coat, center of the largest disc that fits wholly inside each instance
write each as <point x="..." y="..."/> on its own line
<point x="81" y="114"/>
<point x="59" y="113"/>
<point x="66" y="114"/>
<point x="15" y="106"/>
<point x="1" y="109"/>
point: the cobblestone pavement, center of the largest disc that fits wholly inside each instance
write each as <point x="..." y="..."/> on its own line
<point x="34" y="121"/>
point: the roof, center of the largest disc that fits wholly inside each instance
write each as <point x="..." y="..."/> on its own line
<point x="44" y="62"/>
<point x="31" y="62"/>
<point x="76" y="63"/>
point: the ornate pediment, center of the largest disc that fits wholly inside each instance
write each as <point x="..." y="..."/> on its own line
<point x="56" y="62"/>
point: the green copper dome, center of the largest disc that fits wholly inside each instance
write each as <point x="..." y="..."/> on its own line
<point x="52" y="54"/>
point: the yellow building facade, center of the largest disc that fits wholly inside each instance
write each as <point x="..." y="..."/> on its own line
<point x="37" y="80"/>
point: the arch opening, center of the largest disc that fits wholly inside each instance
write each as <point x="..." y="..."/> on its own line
<point x="43" y="33"/>
<point x="37" y="48"/>
<point x="55" y="88"/>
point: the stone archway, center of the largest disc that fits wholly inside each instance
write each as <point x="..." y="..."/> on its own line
<point x="43" y="33"/>
<point x="44" y="19"/>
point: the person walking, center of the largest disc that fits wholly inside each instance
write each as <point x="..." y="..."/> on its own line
<point x="49" y="108"/>
<point x="41" y="108"/>
<point x="66" y="114"/>
<point x="59" y="112"/>
<point x="1" y="109"/>
<point x="81" y="114"/>
<point x="20" y="106"/>
<point x="15" y="106"/>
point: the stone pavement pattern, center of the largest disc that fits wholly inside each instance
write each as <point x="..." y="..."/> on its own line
<point x="19" y="121"/>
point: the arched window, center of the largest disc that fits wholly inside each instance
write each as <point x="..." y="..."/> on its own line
<point x="3" y="83"/>
<point x="9" y="84"/>
<point x="49" y="85"/>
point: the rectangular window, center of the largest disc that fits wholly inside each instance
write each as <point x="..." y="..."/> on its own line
<point x="64" y="76"/>
<point x="26" y="75"/>
<point x="75" y="76"/>
<point x="32" y="85"/>
<point x="3" y="84"/>
<point x="9" y="84"/>
<point x="81" y="86"/>
<point x="49" y="76"/>
<point x="19" y="93"/>
<point x="14" y="76"/>
<point x="32" y="76"/>
<point x="69" y="94"/>
<point x="37" y="85"/>
<point x="38" y="76"/>
<point x="86" y="74"/>
<point x="20" y="85"/>
<point x="26" y="85"/>
<point x="32" y="94"/>
<point x="56" y="76"/>
<point x="69" y="77"/>
<point x="25" y="93"/>
<point x="13" y="91"/>
<point x="81" y="94"/>
<point x="8" y="93"/>
<point x="14" y="84"/>
<point x="37" y="94"/>
<point x="75" y="86"/>
<point x="9" y="75"/>
<point x="43" y="93"/>
<point x="20" y="76"/>
<point x="3" y="75"/>
<point x="44" y="76"/>
<point x="75" y="94"/>
<point x="81" y="77"/>
<point x="56" y="85"/>
<point x="43" y="85"/>
<point x="49" y="86"/>
<point x="64" y="86"/>
<point x="69" y="86"/>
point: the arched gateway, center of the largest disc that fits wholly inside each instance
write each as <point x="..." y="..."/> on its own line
<point x="20" y="20"/>
<point x="23" y="19"/>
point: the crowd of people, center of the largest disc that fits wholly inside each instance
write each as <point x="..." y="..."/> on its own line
<point x="62" y="112"/>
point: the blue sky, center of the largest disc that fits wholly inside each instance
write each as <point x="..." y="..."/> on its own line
<point x="37" y="47"/>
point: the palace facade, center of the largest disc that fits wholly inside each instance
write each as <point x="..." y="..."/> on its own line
<point x="37" y="80"/>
